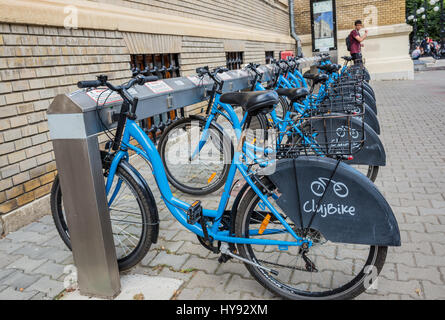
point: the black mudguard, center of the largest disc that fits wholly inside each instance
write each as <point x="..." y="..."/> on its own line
<point x="371" y="119"/>
<point x="154" y="216"/>
<point x="351" y="211"/>
<point x="371" y="152"/>
<point x="370" y="101"/>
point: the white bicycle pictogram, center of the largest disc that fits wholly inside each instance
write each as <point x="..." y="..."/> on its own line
<point x="341" y="132"/>
<point x="319" y="187"/>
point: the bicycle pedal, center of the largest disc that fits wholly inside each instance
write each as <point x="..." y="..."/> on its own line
<point x="224" y="258"/>
<point x="194" y="212"/>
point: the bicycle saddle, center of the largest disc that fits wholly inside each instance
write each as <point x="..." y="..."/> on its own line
<point x="330" y="68"/>
<point x="347" y="58"/>
<point x="252" y="102"/>
<point x="294" y="94"/>
<point x="316" y="78"/>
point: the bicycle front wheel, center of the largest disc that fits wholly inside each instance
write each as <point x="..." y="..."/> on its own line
<point x="327" y="270"/>
<point x="130" y="214"/>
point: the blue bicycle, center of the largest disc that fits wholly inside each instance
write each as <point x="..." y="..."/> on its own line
<point x="312" y="228"/>
<point x="197" y="151"/>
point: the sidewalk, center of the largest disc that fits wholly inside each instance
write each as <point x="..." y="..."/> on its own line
<point x="429" y="64"/>
<point x="32" y="260"/>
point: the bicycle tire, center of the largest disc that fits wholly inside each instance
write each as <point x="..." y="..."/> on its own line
<point x="217" y="181"/>
<point x="145" y="204"/>
<point x="376" y="258"/>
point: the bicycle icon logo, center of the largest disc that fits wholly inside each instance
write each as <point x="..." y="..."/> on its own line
<point x="341" y="132"/>
<point x="318" y="187"/>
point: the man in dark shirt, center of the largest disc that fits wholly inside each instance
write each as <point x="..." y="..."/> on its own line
<point x="356" y="42"/>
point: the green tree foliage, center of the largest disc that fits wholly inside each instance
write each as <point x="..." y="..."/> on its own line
<point x="433" y="18"/>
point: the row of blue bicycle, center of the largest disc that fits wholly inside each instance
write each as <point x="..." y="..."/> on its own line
<point x="307" y="221"/>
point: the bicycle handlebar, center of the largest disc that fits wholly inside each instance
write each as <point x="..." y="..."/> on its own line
<point x="202" y="71"/>
<point x="102" y="80"/>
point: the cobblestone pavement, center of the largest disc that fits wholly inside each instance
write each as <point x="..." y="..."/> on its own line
<point x="32" y="260"/>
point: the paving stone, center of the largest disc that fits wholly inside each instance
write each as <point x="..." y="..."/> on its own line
<point x="425" y="273"/>
<point x="189" y="294"/>
<point x="149" y="257"/>
<point x="206" y="265"/>
<point x="58" y="255"/>
<point x="238" y="284"/>
<point x="167" y="234"/>
<point x="250" y="296"/>
<point x="47" y="220"/>
<point x="165" y="272"/>
<point x="11" y="294"/>
<point x="231" y="267"/>
<point x="27" y="236"/>
<point x="54" y="270"/>
<point x="411" y="288"/>
<point x="434" y="291"/>
<point x="47" y="285"/>
<point x="26" y="264"/>
<point x="201" y="279"/>
<point x="8" y="246"/>
<point x="210" y="294"/>
<point x="426" y="260"/>
<point x="194" y="249"/>
<point x="7" y="259"/>
<point x="168" y="246"/>
<point x="171" y="260"/>
<point x="39" y="228"/>
<point x="18" y="279"/>
<point x="5" y="273"/>
<point x="34" y="251"/>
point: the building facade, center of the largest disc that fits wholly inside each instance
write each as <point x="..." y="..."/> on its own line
<point x="47" y="46"/>
<point x="386" y="51"/>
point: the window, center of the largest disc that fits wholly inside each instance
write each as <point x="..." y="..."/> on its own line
<point x="234" y="60"/>
<point x="150" y="61"/>
<point x="269" y="57"/>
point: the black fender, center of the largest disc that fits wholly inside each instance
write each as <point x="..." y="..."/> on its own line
<point x="370" y="118"/>
<point x="351" y="210"/>
<point x="367" y="146"/>
<point x="142" y="184"/>
<point x="370" y="101"/>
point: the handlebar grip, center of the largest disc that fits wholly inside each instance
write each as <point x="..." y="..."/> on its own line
<point x="89" y="84"/>
<point x="145" y="79"/>
<point x="202" y="70"/>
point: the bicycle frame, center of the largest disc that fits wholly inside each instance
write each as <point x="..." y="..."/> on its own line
<point x="178" y="208"/>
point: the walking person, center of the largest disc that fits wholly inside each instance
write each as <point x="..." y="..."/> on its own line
<point x="356" y="42"/>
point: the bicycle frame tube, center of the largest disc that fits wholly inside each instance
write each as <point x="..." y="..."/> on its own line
<point x="179" y="208"/>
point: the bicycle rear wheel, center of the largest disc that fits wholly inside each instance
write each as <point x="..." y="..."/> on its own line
<point x="370" y="171"/>
<point x="327" y="270"/>
<point x="130" y="214"/>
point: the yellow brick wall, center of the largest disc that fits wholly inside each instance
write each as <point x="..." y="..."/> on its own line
<point x="36" y="64"/>
<point x="268" y="15"/>
<point x="388" y="12"/>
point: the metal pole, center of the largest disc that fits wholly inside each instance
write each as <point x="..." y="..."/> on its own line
<point x="442" y="27"/>
<point x="425" y="26"/>
<point x="415" y="25"/>
<point x="82" y="182"/>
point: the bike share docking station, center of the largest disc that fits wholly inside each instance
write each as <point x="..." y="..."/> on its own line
<point x="74" y="124"/>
